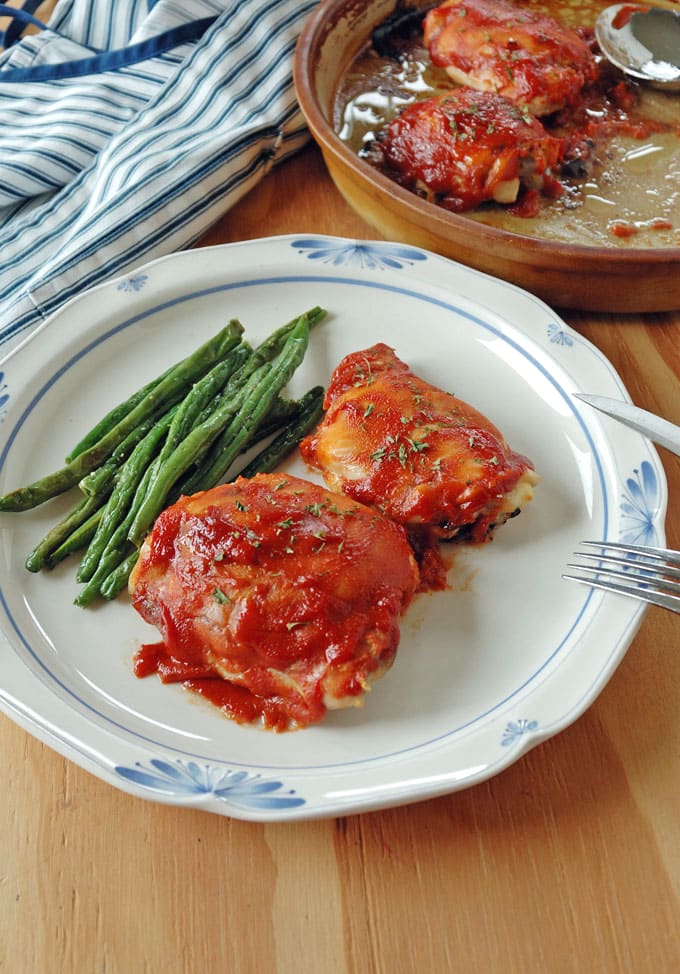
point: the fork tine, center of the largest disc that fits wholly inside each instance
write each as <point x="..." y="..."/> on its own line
<point x="646" y="562"/>
<point x="671" y="602"/>
<point x="643" y="572"/>
<point x="666" y="554"/>
<point x="648" y="579"/>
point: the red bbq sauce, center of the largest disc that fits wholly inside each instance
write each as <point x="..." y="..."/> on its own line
<point x="273" y="597"/>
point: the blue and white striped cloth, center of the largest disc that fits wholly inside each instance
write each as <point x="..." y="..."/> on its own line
<point x="128" y="128"/>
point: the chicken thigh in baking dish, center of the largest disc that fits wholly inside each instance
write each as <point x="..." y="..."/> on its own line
<point x="529" y="58"/>
<point x="468" y="147"/>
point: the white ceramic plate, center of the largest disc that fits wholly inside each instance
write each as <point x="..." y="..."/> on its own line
<point x="509" y="656"/>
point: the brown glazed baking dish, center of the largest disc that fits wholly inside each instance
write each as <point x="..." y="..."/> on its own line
<point x="597" y="278"/>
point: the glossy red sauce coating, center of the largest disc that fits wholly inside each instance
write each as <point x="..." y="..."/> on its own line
<point x="527" y="57"/>
<point x="422" y="456"/>
<point x="275" y="599"/>
<point x="238" y="703"/>
<point x="467" y="147"/>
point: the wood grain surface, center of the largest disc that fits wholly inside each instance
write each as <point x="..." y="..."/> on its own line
<point x="569" y="861"/>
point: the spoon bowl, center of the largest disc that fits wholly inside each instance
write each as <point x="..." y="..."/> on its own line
<point x="643" y="42"/>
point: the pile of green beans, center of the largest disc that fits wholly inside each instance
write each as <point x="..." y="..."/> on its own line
<point x="179" y="434"/>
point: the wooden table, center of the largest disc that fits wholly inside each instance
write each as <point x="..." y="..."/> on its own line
<point x="569" y="861"/>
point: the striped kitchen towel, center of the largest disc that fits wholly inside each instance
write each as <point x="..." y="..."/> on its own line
<point x="129" y="127"/>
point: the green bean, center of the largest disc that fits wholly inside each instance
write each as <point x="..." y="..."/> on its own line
<point x="135" y="468"/>
<point x="116" y="548"/>
<point x="283" y="410"/>
<point x="114" y="556"/>
<point x="116" y="414"/>
<point x="76" y="541"/>
<point x="117" y="580"/>
<point x="184" y="456"/>
<point x="182" y="430"/>
<point x="273" y="344"/>
<point x="113" y="417"/>
<point x="77" y="516"/>
<point x="202" y="398"/>
<point x="264" y="352"/>
<point x="238" y="433"/>
<point x="310" y="410"/>
<point x="255" y="398"/>
<point x="280" y="415"/>
<point x="169" y="390"/>
<point x="98" y="479"/>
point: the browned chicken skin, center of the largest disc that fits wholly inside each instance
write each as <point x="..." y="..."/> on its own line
<point x="491" y="45"/>
<point x="423" y="457"/>
<point x="468" y="147"/>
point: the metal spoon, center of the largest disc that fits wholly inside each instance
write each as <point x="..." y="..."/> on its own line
<point x="643" y="42"/>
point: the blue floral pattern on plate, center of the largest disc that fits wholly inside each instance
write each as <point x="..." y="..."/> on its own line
<point x="134" y="283"/>
<point x="356" y="254"/>
<point x="186" y="778"/>
<point x="558" y="334"/>
<point x="517" y="729"/>
<point x="639" y="506"/>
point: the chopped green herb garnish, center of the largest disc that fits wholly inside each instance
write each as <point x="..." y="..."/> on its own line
<point x="418" y="445"/>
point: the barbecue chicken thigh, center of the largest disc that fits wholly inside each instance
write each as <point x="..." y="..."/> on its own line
<point x="469" y="147"/>
<point x="529" y="58"/>
<point x="275" y="598"/>
<point x="418" y="454"/>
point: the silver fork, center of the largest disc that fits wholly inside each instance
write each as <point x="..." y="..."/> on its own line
<point x="643" y="572"/>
